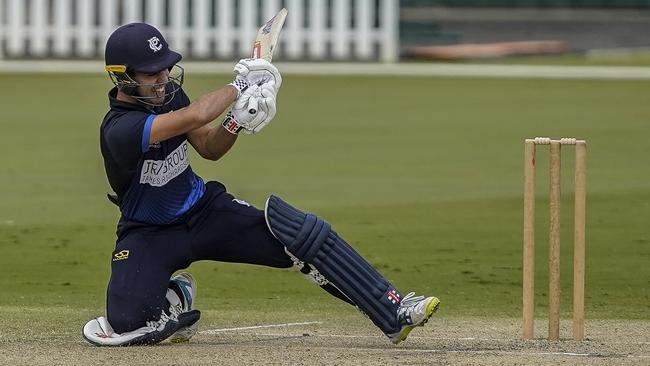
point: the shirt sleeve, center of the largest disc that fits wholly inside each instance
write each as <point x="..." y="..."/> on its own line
<point x="128" y="137"/>
<point x="146" y="133"/>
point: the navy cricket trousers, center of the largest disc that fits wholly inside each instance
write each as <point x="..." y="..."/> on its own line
<point x="219" y="228"/>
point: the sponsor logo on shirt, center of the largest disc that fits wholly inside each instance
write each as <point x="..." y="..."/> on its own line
<point x="157" y="173"/>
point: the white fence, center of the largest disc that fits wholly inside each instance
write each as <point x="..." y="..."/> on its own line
<point x="202" y="29"/>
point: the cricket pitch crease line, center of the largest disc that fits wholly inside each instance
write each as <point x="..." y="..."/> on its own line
<point x="221" y="330"/>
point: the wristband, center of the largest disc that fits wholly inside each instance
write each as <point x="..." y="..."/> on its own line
<point x="241" y="85"/>
<point x="231" y="125"/>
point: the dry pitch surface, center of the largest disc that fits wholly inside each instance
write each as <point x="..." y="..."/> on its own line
<point x="444" y="341"/>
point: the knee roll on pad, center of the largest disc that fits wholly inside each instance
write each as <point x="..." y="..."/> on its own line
<point x="312" y="240"/>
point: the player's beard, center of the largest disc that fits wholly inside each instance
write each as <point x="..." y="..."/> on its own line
<point x="153" y="94"/>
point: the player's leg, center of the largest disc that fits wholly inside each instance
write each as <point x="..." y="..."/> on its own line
<point x="143" y="306"/>
<point x="224" y="228"/>
<point x="231" y="230"/>
<point x="311" y="239"/>
<point x="234" y="231"/>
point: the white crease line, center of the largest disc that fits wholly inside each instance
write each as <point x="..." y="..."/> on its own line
<point x="217" y="331"/>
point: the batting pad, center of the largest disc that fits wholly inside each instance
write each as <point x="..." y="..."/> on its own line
<point x="311" y="239"/>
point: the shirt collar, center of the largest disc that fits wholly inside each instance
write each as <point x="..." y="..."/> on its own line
<point x="124" y="106"/>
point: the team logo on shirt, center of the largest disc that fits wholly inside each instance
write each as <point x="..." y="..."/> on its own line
<point x="157" y="173"/>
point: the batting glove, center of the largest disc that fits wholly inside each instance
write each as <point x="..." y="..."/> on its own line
<point x="246" y="113"/>
<point x="258" y="71"/>
<point x="266" y="104"/>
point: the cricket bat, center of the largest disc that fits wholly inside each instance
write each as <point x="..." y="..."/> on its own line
<point x="268" y="35"/>
<point x="267" y="39"/>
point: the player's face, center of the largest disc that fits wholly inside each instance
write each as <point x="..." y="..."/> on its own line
<point x="152" y="86"/>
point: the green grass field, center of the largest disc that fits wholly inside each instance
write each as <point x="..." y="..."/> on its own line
<point x="423" y="176"/>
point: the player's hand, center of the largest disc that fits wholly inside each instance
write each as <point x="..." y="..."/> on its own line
<point x="258" y="71"/>
<point x="266" y="103"/>
<point x="246" y="113"/>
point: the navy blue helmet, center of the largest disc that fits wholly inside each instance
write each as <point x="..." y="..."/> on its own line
<point x="140" y="47"/>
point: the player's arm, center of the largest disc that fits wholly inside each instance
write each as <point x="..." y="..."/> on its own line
<point x="208" y="107"/>
<point x="196" y="115"/>
<point x="211" y="143"/>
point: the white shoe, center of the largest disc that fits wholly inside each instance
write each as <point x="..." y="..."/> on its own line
<point x="185" y="284"/>
<point x="180" y="296"/>
<point x="414" y="311"/>
<point x="100" y="333"/>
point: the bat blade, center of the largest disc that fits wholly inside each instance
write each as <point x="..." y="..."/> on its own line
<point x="268" y="35"/>
<point x="267" y="39"/>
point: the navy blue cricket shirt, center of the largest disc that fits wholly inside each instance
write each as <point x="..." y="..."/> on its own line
<point x="154" y="182"/>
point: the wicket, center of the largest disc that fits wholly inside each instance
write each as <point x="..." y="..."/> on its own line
<point x="554" y="237"/>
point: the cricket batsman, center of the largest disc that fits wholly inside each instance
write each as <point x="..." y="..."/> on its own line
<point x="170" y="217"/>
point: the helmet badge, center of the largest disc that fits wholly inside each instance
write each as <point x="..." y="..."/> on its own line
<point x="154" y="44"/>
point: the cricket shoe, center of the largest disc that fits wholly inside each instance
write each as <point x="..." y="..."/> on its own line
<point x="184" y="286"/>
<point x="100" y="333"/>
<point x="414" y="311"/>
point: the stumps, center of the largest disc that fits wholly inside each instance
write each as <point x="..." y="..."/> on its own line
<point x="554" y="236"/>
